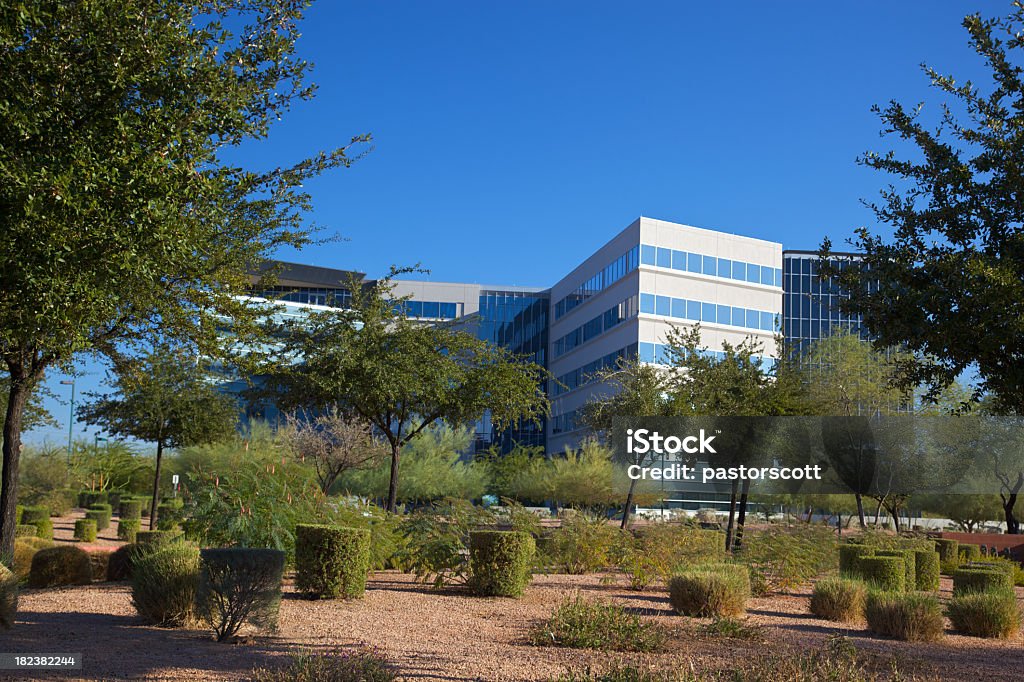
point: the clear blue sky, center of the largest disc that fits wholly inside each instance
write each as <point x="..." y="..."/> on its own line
<point x="513" y="139"/>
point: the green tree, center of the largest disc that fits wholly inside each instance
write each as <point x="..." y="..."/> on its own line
<point x="400" y="375"/>
<point x="166" y="399"/>
<point x="122" y="213"/>
<point x="967" y="511"/>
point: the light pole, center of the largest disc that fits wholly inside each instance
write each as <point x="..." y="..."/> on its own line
<point x="71" y="415"/>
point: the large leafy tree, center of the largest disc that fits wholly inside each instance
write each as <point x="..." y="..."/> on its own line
<point x="166" y="399"/>
<point x="122" y="214"/>
<point x="400" y="375"/>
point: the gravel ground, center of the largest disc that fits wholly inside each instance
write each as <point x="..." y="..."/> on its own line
<point x="447" y="635"/>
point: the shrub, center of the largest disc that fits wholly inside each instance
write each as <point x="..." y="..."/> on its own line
<point x="979" y="580"/>
<point x="85" y="530"/>
<point x="60" y="502"/>
<point x="119" y="565"/>
<point x="910" y="616"/>
<point x="883" y="572"/>
<point x="239" y="585"/>
<point x="992" y="614"/>
<point x="782" y="558"/>
<point x="331" y="561"/>
<point x="364" y="665"/>
<point x="63" y="565"/>
<point x="164" y="582"/>
<point x="659" y="551"/>
<point x="87" y="498"/>
<point x="582" y="624"/>
<point x="156" y="537"/>
<point x="582" y="544"/>
<point x="26" y="531"/>
<point x="947" y="549"/>
<point x="713" y="590"/>
<point x="8" y="597"/>
<point x="839" y="599"/>
<point x="40" y="518"/>
<point x="114" y="499"/>
<point x="848" y="555"/>
<point x="967" y="553"/>
<point x="436" y="540"/>
<point x="127" y="529"/>
<point x="24" y="550"/>
<point x="909" y="565"/>
<point x="168" y="516"/>
<point x="129" y="508"/>
<point x="100" y="560"/>
<point x="101" y="515"/>
<point x="18" y="509"/>
<point x="926" y="569"/>
<point x="731" y="628"/>
<point x="500" y="562"/>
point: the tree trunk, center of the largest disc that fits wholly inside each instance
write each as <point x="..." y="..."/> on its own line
<point x="17" y="398"/>
<point x="629" y="504"/>
<point x="743" y="514"/>
<point x="156" y="486"/>
<point x="393" y="484"/>
<point x="732" y="517"/>
<point x="860" y="510"/>
<point x="1009" y="501"/>
<point x="878" y="511"/>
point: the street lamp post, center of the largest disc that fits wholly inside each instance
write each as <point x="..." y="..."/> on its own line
<point x="71" y="415"/>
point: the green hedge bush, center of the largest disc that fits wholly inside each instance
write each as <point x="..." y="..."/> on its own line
<point x="910" y="616"/>
<point x="164" y="583"/>
<point x="713" y="590"/>
<point x="18" y="509"/>
<point x="100" y="513"/>
<point x="168" y="516"/>
<point x="87" y="498"/>
<point x="130" y="508"/>
<point x="100" y="560"/>
<point x="63" y="565"/>
<point x="909" y="565"/>
<point x="967" y="553"/>
<point x="992" y="614"/>
<point x="8" y="597"/>
<point x="23" y="530"/>
<point x="926" y="569"/>
<point x="24" y="550"/>
<point x="839" y="599"/>
<point x="499" y="562"/>
<point x="331" y="561"/>
<point x="85" y="530"/>
<point x="947" y="549"/>
<point x="128" y="528"/>
<point x="40" y="518"/>
<point x="848" y="555"/>
<point x="883" y="572"/>
<point x="156" y="537"/>
<point x="119" y="565"/>
<point x="979" y="580"/>
<point x="239" y="585"/>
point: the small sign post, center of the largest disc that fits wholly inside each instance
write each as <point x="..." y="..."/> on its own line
<point x="174" y="481"/>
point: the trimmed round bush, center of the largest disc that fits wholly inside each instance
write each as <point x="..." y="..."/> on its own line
<point x="909" y="565"/>
<point x="168" y="516"/>
<point x="164" y="583"/>
<point x="87" y="498"/>
<point x="715" y="590"/>
<point x="883" y="572"/>
<point x="26" y="531"/>
<point x="100" y="560"/>
<point x="947" y="549"/>
<point x="127" y="528"/>
<point x="910" y="616"/>
<point x="239" y="585"/>
<point x="119" y="565"/>
<point x="40" y="518"/>
<point x="968" y="553"/>
<point x="992" y="614"/>
<point x="839" y="599"/>
<point x="8" y="597"/>
<point x="129" y="508"/>
<point x="156" y="537"/>
<point x="1007" y="567"/>
<point x="500" y="562"/>
<point x="926" y="569"/>
<point x="63" y="565"/>
<point x="979" y="580"/>
<point x="85" y="530"/>
<point x="331" y="561"/>
<point x="24" y="550"/>
<point x="114" y="499"/>
<point x="848" y="555"/>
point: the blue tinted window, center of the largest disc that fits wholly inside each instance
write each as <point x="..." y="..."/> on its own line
<point x="678" y="307"/>
<point x="647" y="303"/>
<point x="663" y="305"/>
<point x="778" y="277"/>
<point x="431" y="309"/>
<point x="724" y="314"/>
<point x="739" y="270"/>
<point x="679" y="260"/>
<point x="724" y="267"/>
<point x="767" y="321"/>
<point x="707" y="312"/>
<point x="664" y="258"/>
<point x="767" y="275"/>
<point x="414" y="308"/>
<point x="648" y="255"/>
<point x="661" y="353"/>
<point x="448" y="311"/>
<point x="693" y="310"/>
<point x="753" y="319"/>
<point x="646" y="352"/>
<point x="693" y="262"/>
<point x="710" y="265"/>
<point x="754" y="273"/>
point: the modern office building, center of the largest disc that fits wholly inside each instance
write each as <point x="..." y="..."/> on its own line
<point x="618" y="302"/>
<point x="810" y="306"/>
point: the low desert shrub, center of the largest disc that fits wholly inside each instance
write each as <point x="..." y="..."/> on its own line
<point x="24" y="550"/>
<point x="156" y="537"/>
<point x="883" y="572"/>
<point x="966" y="553"/>
<point x="100" y="560"/>
<point x="731" y="628"/>
<point x="100" y="514"/>
<point x="910" y="616"/>
<point x="63" y="565"/>
<point x="128" y="528"/>
<point x="129" y="508"/>
<point x="119" y="565"/>
<point x="164" y="583"/>
<point x="909" y="565"/>
<point x="713" y="590"/>
<point x="659" y="551"/>
<point x="8" y="597"/>
<point x="499" y="562"/>
<point x="839" y="599"/>
<point x="238" y="586"/>
<point x="583" y="624"/>
<point x="85" y="530"/>
<point x="781" y="558"/>
<point x="435" y="540"/>
<point x="40" y="518"/>
<point x="168" y="516"/>
<point x="331" y="561"/>
<point x="60" y="501"/>
<point x="343" y="665"/>
<point x="992" y="614"/>
<point x="26" y="531"/>
<point x="926" y="569"/>
<point x="582" y="544"/>
<point x="979" y="580"/>
<point x="848" y="555"/>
